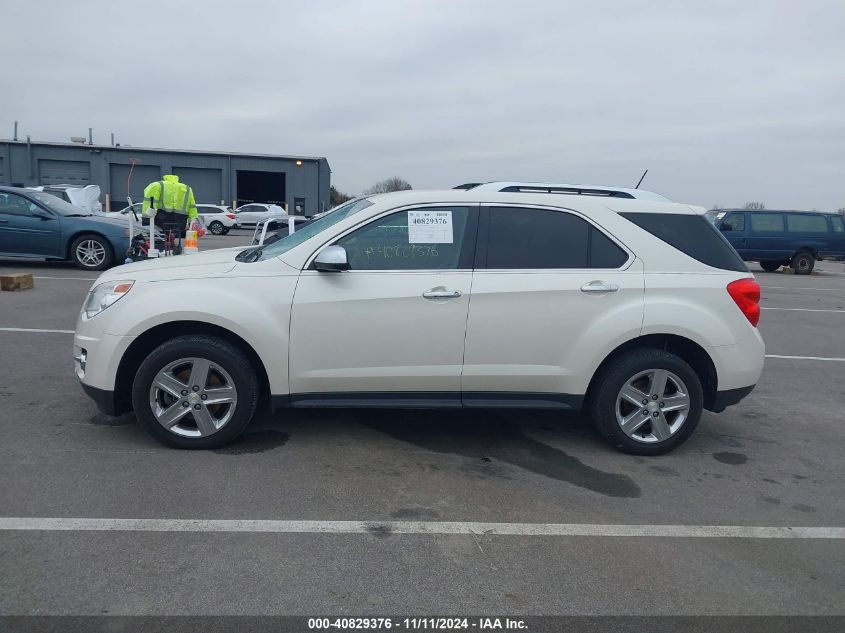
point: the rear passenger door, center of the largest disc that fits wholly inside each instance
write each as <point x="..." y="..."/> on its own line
<point x="767" y="239"/>
<point x="550" y="292"/>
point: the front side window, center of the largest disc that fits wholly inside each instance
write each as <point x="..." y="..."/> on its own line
<point x="13" y="204"/>
<point x="734" y="222"/>
<point x="767" y="222"/>
<point x="520" y="238"/>
<point x="418" y="239"/>
<point x="800" y="223"/>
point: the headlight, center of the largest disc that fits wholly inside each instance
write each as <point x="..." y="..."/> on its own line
<point x="102" y="296"/>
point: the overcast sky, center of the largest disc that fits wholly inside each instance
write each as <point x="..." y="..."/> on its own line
<point x="723" y="102"/>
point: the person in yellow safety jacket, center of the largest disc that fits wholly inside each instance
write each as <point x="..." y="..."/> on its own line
<point x="173" y="200"/>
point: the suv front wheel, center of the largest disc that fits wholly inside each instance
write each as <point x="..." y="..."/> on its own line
<point x="647" y="402"/>
<point x="195" y="392"/>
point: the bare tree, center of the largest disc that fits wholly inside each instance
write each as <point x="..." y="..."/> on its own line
<point x="337" y="197"/>
<point x="389" y="184"/>
<point x="841" y="211"/>
<point x="716" y="207"/>
<point x="754" y="206"/>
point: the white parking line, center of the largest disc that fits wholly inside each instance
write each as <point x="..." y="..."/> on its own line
<point x="37" y="330"/>
<point x="802" y="310"/>
<point x="835" y="360"/>
<point x="421" y="527"/>
<point x="69" y="278"/>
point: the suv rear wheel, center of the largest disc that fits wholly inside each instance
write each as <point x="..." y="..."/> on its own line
<point x="769" y="266"/>
<point x="647" y="402"/>
<point x="803" y="262"/>
<point x="217" y="228"/>
<point x="195" y="392"/>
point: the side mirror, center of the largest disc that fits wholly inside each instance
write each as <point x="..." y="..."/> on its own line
<point x="38" y="212"/>
<point x="332" y="259"/>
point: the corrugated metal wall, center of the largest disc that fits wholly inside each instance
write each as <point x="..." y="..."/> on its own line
<point x="142" y="175"/>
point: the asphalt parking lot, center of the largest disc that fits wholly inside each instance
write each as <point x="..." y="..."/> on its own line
<point x="775" y="460"/>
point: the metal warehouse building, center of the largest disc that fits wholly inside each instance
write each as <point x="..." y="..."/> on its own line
<point x="299" y="183"/>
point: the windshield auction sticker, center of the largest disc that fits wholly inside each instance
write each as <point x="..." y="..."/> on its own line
<point x="430" y="227"/>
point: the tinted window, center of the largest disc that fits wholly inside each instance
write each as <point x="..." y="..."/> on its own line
<point x="536" y="238"/>
<point x="387" y="244"/>
<point x="693" y="235"/>
<point x="13" y="204"/>
<point x="838" y="224"/>
<point x="603" y="252"/>
<point x="801" y="223"/>
<point x="203" y="209"/>
<point x="734" y="222"/>
<point x="767" y="222"/>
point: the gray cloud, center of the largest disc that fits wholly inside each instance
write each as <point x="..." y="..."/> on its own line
<point x="724" y="102"/>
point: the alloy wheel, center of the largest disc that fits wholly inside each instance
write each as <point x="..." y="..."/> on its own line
<point x="193" y="397"/>
<point x="90" y="253"/>
<point x="652" y="406"/>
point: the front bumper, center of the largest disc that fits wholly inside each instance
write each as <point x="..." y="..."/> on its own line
<point x="102" y="398"/>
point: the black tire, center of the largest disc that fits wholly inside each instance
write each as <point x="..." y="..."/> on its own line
<point x="219" y="352"/>
<point x="225" y="231"/>
<point x="217" y="228"/>
<point x="803" y="263"/>
<point x="97" y="242"/>
<point x="616" y="373"/>
<point x="769" y="266"/>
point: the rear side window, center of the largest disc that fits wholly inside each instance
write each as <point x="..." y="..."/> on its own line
<point x="838" y="224"/>
<point x="767" y="222"/>
<point x="693" y="235"/>
<point x="521" y="238"/>
<point x="800" y="223"/>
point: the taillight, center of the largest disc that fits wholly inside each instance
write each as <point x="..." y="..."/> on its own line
<point x="746" y="295"/>
<point x="231" y="216"/>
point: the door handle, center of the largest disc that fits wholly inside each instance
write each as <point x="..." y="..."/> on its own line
<point x="599" y="287"/>
<point x="441" y="293"/>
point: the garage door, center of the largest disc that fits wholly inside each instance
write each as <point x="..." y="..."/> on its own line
<point x="64" y="172"/>
<point x="207" y="184"/>
<point x="142" y="175"/>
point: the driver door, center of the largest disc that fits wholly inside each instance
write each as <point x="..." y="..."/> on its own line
<point x="392" y="327"/>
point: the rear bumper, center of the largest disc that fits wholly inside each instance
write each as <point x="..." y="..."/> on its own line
<point x="729" y="397"/>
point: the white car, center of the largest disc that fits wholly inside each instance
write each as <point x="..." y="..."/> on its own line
<point x="87" y="197"/>
<point x="218" y="219"/>
<point x="636" y="310"/>
<point x="253" y="213"/>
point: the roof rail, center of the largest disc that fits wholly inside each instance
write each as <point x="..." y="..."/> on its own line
<point x="565" y="189"/>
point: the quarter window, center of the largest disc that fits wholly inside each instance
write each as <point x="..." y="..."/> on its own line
<point x="520" y="238"/>
<point x="767" y="222"/>
<point x="434" y="241"/>
<point x="838" y="224"/>
<point x="800" y="223"/>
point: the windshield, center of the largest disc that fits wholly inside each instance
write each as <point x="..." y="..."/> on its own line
<point x="310" y="230"/>
<point x="56" y="205"/>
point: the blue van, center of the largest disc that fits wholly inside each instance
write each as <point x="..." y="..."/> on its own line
<point x="783" y="238"/>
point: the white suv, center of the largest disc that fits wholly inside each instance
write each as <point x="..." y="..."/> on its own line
<point x="636" y="310"/>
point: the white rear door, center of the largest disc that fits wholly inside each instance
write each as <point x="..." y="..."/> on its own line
<point x="393" y="326"/>
<point x="551" y="293"/>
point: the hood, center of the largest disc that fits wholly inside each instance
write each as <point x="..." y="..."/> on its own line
<point x="204" y="264"/>
<point x="171" y="178"/>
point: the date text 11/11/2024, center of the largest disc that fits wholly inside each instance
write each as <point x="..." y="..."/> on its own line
<point x="418" y="623"/>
